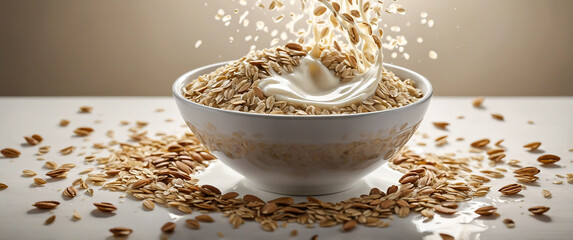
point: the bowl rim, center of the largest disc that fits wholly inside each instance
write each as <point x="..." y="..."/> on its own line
<point x="180" y="82"/>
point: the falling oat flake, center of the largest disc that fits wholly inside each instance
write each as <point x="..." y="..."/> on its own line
<point x="433" y="54"/>
<point x="293" y="23"/>
<point x="430" y="23"/>
<point x="396" y="8"/>
<point x="198" y="43"/>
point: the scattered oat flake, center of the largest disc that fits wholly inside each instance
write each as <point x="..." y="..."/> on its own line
<point x="511" y="189"/>
<point x="538" y="210"/>
<point x="28" y="173"/>
<point x="141" y="123"/>
<point x="109" y="133"/>
<point x="68" y="165"/>
<point x="546" y="193"/>
<point x="548" y="159"/>
<point x="480" y="143"/>
<point x="31" y="140"/>
<point x="50" y="220"/>
<point x="509" y="223"/>
<point x="514" y="163"/>
<point x="532" y="146"/>
<point x="76" y="215"/>
<point x="220" y="234"/>
<point x="192" y="223"/>
<point x="441" y="125"/>
<point x="530" y="122"/>
<point x="10" y="153"/>
<point x="46" y="204"/>
<point x="85" y="109"/>
<point x="148" y="204"/>
<point x="168" y="227"/>
<point x="478" y="101"/>
<point x="558" y="182"/>
<point x="441" y="142"/>
<point x="50" y="165"/>
<point x="486" y="210"/>
<point x="70" y="192"/>
<point x="64" y="122"/>
<point x="39" y="181"/>
<point x="121" y="231"/>
<point x="440" y="138"/>
<point x="204" y="218"/>
<point x="293" y="233"/>
<point x="67" y="150"/>
<point x="348" y="226"/>
<point x="44" y="149"/>
<point x="497" y="116"/>
<point x="105" y="207"/>
<point x="87" y="170"/>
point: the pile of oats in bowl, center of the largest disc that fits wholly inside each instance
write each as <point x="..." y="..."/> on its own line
<point x="235" y="86"/>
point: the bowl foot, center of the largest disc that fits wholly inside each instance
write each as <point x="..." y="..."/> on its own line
<point x="301" y="190"/>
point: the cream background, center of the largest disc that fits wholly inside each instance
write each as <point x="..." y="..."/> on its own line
<point x="139" y="47"/>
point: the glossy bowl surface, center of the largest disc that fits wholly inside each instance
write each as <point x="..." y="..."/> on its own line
<point x="303" y="155"/>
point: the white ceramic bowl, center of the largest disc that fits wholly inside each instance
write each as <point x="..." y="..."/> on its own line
<point x="303" y="155"/>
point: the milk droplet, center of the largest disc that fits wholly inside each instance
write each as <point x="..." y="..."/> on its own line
<point x="433" y="55"/>
<point x="430" y="23"/>
<point x="260" y="25"/>
<point x="198" y="43"/>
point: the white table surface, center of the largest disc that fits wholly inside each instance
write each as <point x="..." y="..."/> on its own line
<point x="553" y="126"/>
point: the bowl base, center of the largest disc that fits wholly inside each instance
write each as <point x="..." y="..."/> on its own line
<point x="301" y="190"/>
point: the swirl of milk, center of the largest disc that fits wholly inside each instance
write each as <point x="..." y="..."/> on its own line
<point x="311" y="83"/>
